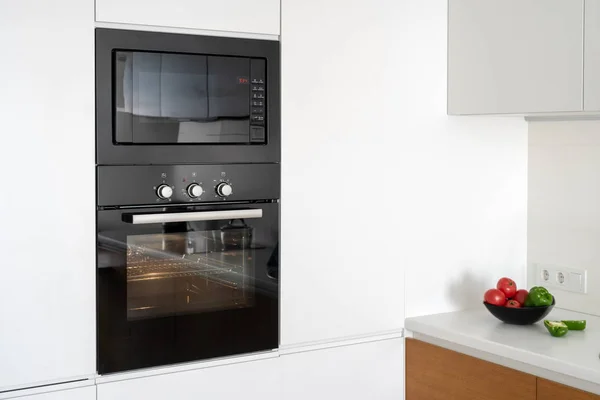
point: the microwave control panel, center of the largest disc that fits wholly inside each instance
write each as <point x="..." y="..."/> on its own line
<point x="180" y="184"/>
<point x="258" y="100"/>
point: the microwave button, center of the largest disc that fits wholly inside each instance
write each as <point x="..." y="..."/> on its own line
<point x="257" y="111"/>
<point x="257" y="104"/>
<point x="255" y="88"/>
<point x="261" y="88"/>
<point x="257" y="134"/>
<point x="261" y="81"/>
<point x="255" y="81"/>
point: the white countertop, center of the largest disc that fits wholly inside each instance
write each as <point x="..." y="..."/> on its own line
<point x="572" y="360"/>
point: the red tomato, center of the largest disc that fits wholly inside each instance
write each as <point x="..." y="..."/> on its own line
<point x="508" y="286"/>
<point x="495" y="297"/>
<point x="513" y="304"/>
<point x="521" y="296"/>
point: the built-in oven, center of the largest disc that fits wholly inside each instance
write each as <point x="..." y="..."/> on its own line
<point x="164" y="98"/>
<point x="187" y="263"/>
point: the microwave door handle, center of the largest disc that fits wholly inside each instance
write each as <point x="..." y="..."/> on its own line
<point x="138" y="219"/>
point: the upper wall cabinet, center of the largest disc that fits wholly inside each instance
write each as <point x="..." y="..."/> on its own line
<point x="591" y="99"/>
<point x="517" y="56"/>
<point x="258" y="16"/>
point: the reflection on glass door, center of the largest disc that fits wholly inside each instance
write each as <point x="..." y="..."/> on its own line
<point x="182" y="273"/>
<point x="181" y="98"/>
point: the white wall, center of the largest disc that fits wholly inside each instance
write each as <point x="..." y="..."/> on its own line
<point x="564" y="205"/>
<point x="460" y="220"/>
<point x="375" y="174"/>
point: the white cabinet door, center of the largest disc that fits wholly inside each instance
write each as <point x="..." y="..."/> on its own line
<point x="515" y="56"/>
<point x="258" y="16"/>
<point x="591" y="72"/>
<point x="365" y="371"/>
<point x="254" y="380"/>
<point x="47" y="284"/>
<point x="341" y="273"/>
<point x="85" y="393"/>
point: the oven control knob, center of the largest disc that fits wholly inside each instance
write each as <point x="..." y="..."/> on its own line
<point x="224" y="189"/>
<point x="194" y="190"/>
<point x="164" y="191"/>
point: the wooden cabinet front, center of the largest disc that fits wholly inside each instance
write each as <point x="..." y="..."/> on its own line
<point x="548" y="390"/>
<point x="435" y="373"/>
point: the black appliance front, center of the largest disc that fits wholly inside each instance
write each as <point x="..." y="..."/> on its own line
<point x="184" y="282"/>
<point x="168" y="98"/>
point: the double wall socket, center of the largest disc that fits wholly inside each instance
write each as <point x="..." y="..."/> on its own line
<point x="569" y="279"/>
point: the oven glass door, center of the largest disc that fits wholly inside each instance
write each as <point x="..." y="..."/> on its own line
<point x="186" y="284"/>
<point x="181" y="98"/>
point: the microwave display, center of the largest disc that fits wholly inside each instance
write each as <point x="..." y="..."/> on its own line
<point x="170" y="98"/>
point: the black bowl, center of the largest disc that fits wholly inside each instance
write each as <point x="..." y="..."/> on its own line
<point x="519" y="316"/>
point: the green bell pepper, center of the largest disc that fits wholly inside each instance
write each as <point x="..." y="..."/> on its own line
<point x="575" y="325"/>
<point x="538" y="297"/>
<point x="556" y="328"/>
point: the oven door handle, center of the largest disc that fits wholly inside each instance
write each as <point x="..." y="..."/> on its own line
<point x="164" y="218"/>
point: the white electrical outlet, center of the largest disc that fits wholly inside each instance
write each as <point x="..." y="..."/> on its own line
<point x="564" y="278"/>
<point x="545" y="275"/>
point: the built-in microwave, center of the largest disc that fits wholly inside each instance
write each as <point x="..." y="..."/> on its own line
<point x="165" y="98"/>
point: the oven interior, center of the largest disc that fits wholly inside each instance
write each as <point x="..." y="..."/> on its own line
<point x="188" y="272"/>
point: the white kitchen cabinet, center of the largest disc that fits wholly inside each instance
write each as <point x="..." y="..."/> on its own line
<point x="342" y="270"/>
<point x="254" y="380"/>
<point x="591" y="70"/>
<point x="515" y="56"/>
<point x="259" y="16"/>
<point x="84" y="393"/>
<point x="47" y="241"/>
<point x="372" y="370"/>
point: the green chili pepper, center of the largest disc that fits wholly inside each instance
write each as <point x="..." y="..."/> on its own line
<point x="538" y="296"/>
<point x="575" y="325"/>
<point x="556" y="328"/>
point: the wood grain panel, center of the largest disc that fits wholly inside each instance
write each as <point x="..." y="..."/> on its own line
<point x="548" y="390"/>
<point x="435" y="373"/>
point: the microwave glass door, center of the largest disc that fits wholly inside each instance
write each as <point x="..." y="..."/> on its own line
<point x="183" y="286"/>
<point x="167" y="98"/>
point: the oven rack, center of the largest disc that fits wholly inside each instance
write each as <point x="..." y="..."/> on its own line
<point x="179" y="268"/>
